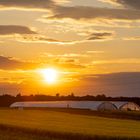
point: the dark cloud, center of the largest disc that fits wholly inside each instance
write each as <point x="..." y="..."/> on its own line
<point x="115" y="84"/>
<point x="8" y="63"/>
<point x="77" y="12"/>
<point x="131" y="3"/>
<point x="81" y="12"/>
<point x="100" y="36"/>
<point x="128" y="3"/>
<point x="27" y="4"/>
<point x="15" y="29"/>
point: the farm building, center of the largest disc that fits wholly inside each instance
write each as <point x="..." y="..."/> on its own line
<point x="93" y="105"/>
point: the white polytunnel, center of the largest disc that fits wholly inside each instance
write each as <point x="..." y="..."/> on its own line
<point x="92" y="105"/>
<point x="127" y="106"/>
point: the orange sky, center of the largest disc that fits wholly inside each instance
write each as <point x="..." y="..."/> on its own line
<point x="93" y="44"/>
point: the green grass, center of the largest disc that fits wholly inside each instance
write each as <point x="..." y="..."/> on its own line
<point x="53" y="122"/>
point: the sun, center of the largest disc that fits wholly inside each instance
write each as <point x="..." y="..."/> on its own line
<point x="50" y="75"/>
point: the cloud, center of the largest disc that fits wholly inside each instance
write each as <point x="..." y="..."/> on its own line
<point x="41" y="39"/>
<point x="66" y="55"/>
<point x="69" y="64"/>
<point x="116" y="65"/>
<point x="26" y="35"/>
<point x="135" y="4"/>
<point x="58" y="11"/>
<point x="100" y="36"/>
<point x="117" y="61"/>
<point x="114" y="84"/>
<point x="15" y="29"/>
<point x="65" y="61"/>
<point x="97" y="36"/>
<point x="27" y="4"/>
<point x="9" y="63"/>
<point x="95" y="52"/>
<point x="61" y="2"/>
<point x="44" y="5"/>
<point x="136" y="38"/>
<point x="90" y="13"/>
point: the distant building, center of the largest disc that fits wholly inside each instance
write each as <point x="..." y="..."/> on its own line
<point x="92" y="105"/>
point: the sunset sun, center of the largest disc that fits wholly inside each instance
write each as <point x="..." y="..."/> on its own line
<point x="50" y="75"/>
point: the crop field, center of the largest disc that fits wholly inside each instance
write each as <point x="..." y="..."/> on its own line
<point x="54" y="125"/>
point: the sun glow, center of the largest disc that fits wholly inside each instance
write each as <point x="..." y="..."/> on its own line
<point x="50" y="75"/>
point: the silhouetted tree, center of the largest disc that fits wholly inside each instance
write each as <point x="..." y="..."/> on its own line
<point x="57" y="95"/>
<point x="7" y="100"/>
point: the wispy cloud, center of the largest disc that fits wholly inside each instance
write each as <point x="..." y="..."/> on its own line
<point x="40" y="39"/>
<point x="135" y="38"/>
<point x="101" y="36"/>
<point x="117" y="61"/>
<point x="97" y="36"/>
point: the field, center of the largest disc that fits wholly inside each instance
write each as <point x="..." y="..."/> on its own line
<point x="54" y="125"/>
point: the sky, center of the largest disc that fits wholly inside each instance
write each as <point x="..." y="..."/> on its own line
<point x="93" y="45"/>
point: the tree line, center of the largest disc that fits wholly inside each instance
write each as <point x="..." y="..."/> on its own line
<point x="6" y="100"/>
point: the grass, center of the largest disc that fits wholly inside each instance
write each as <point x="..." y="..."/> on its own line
<point x="33" y="124"/>
<point x="18" y="133"/>
<point x="14" y="134"/>
<point x="132" y="115"/>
